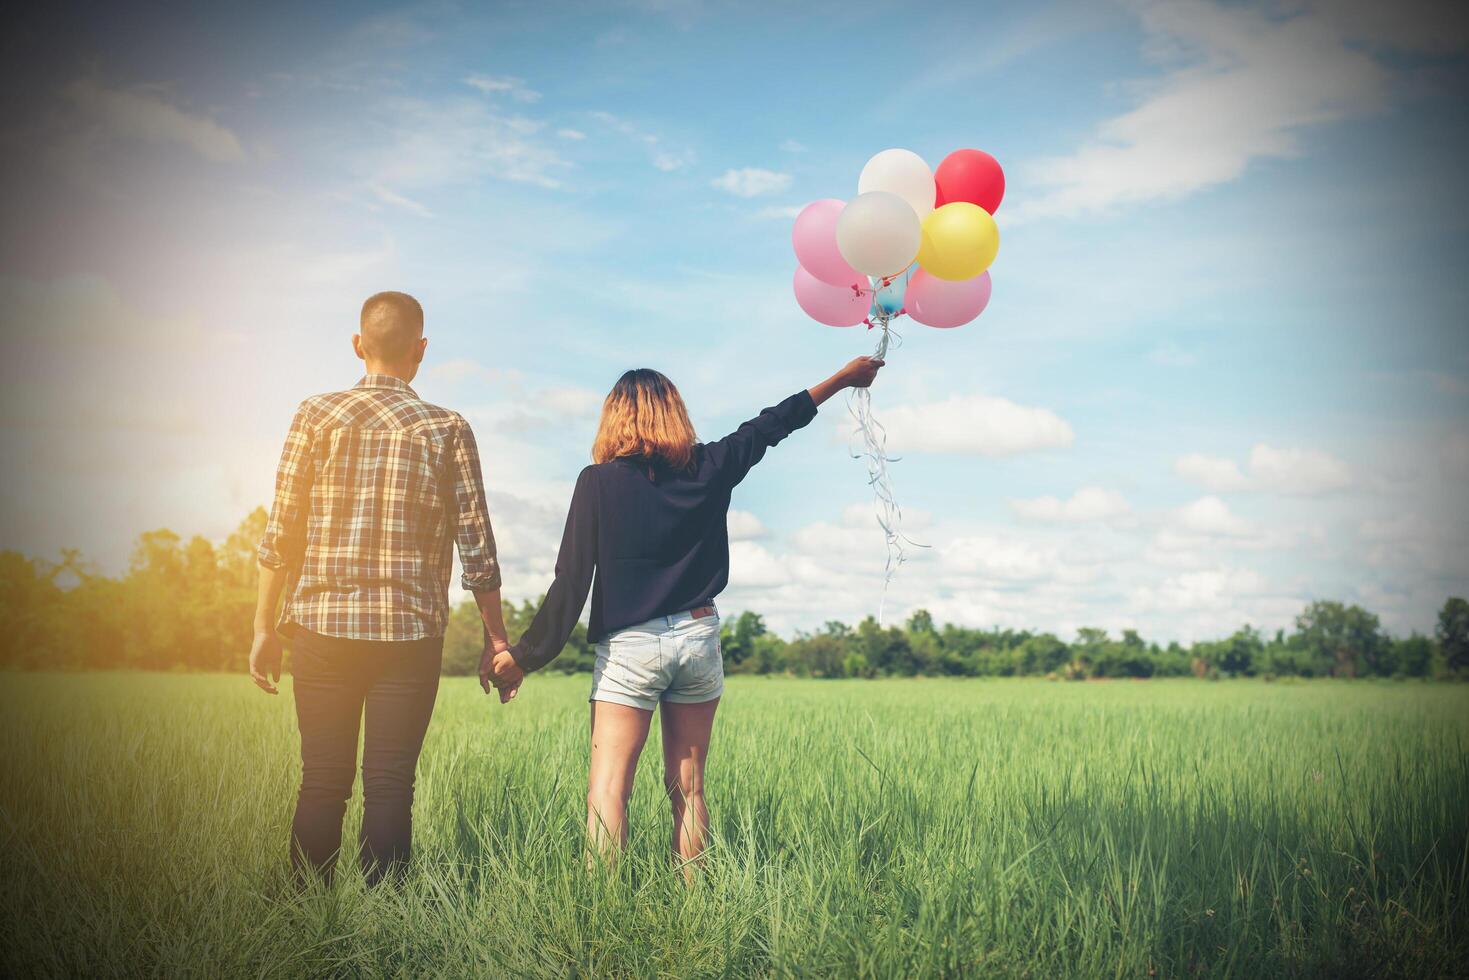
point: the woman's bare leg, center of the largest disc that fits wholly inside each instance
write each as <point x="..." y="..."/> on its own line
<point x="618" y="734"/>
<point x="686" y="729"/>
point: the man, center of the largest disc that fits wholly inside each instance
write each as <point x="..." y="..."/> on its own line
<point x="375" y="488"/>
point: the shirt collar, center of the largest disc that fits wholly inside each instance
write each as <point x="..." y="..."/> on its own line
<point x="385" y="381"/>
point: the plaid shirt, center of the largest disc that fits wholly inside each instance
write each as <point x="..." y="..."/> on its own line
<point x="375" y="487"/>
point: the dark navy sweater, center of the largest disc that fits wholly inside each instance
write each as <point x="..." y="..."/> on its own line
<point x="656" y="539"/>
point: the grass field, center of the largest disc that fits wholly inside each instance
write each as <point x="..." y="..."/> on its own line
<point x="864" y="828"/>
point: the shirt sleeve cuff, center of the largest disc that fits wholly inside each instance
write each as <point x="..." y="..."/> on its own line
<point x="269" y="557"/>
<point x="485" y="581"/>
<point x="799" y="409"/>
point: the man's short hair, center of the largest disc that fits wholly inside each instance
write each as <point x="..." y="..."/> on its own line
<point x="392" y="325"/>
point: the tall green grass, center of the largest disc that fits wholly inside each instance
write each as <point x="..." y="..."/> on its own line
<point x="894" y="828"/>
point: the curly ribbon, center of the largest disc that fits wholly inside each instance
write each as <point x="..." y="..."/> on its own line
<point x="874" y="451"/>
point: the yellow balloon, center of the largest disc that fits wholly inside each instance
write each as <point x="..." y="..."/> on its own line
<point x="959" y="241"/>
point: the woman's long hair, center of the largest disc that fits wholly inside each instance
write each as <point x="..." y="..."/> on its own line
<point x="644" y="418"/>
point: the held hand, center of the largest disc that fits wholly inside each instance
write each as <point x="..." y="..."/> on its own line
<point x="507" y="676"/>
<point x="493" y="645"/>
<point x="860" y="371"/>
<point x="499" y="670"/>
<point x="265" y="660"/>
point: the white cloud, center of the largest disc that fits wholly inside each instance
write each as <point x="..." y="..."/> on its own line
<point x="1212" y="516"/>
<point x="142" y="114"/>
<point x="1052" y="577"/>
<point x="661" y="156"/>
<point x="1407" y="543"/>
<point x="670" y="160"/>
<point x="1192" y="536"/>
<point x="782" y="212"/>
<point x="1212" y="588"/>
<point x="745" y="526"/>
<point x="397" y="200"/>
<point x="864" y="516"/>
<point x="1211" y="472"/>
<point x="996" y="559"/>
<point x="571" y="134"/>
<point x="511" y="402"/>
<point x="793" y="146"/>
<point x="751" y="182"/>
<point x="756" y="569"/>
<point x="1294" y="472"/>
<point x="1304" y="472"/>
<point x="569" y="402"/>
<point x="979" y="425"/>
<point x="503" y="85"/>
<point x="1395" y="528"/>
<point x="1086" y="504"/>
<point x="433" y="144"/>
<point x="1244" y="84"/>
<point x="848" y="545"/>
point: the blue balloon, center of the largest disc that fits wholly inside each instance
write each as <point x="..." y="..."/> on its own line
<point x="889" y="299"/>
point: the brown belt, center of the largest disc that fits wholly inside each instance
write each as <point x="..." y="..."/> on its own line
<point x="703" y="611"/>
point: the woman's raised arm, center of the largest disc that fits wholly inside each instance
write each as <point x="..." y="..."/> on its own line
<point x="857" y="373"/>
<point x="737" y="452"/>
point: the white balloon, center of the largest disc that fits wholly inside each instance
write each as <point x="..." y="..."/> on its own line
<point x="878" y="233"/>
<point x="900" y="172"/>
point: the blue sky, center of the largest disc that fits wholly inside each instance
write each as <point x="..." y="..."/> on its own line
<point x="1225" y="369"/>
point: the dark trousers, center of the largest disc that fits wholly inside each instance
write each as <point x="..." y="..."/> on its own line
<point x="336" y="683"/>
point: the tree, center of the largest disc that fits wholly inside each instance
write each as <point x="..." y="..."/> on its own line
<point x="738" y="641"/>
<point x="819" y="656"/>
<point x="887" y="651"/>
<point x="1453" y="634"/>
<point x="464" y="640"/>
<point x="30" y="610"/>
<point x="1349" y="638"/>
<point x="187" y="604"/>
<point x="1089" y="650"/>
<point x="927" y="648"/>
<point x="1041" y="654"/>
<point x="1241" y="654"/>
<point x="1413" y="656"/>
<point x="921" y="622"/>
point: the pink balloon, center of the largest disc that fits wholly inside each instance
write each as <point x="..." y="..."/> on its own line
<point x="937" y="302"/>
<point x="815" y="239"/>
<point x="835" y="306"/>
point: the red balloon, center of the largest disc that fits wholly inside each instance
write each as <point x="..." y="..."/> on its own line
<point x="969" y="175"/>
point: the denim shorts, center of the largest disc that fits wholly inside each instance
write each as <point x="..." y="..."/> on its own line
<point x="669" y="658"/>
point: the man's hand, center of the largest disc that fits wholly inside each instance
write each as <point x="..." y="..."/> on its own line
<point x="265" y="660"/>
<point x="508" y="677"/>
<point x="499" y="670"/>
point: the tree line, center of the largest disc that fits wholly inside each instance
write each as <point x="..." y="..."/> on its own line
<point x="187" y="605"/>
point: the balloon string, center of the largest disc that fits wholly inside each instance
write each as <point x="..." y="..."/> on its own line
<point x="874" y="452"/>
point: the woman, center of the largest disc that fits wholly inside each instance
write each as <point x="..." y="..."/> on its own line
<point x="649" y="518"/>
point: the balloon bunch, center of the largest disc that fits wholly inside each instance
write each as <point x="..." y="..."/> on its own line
<point x="855" y="256"/>
<point x="856" y="266"/>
